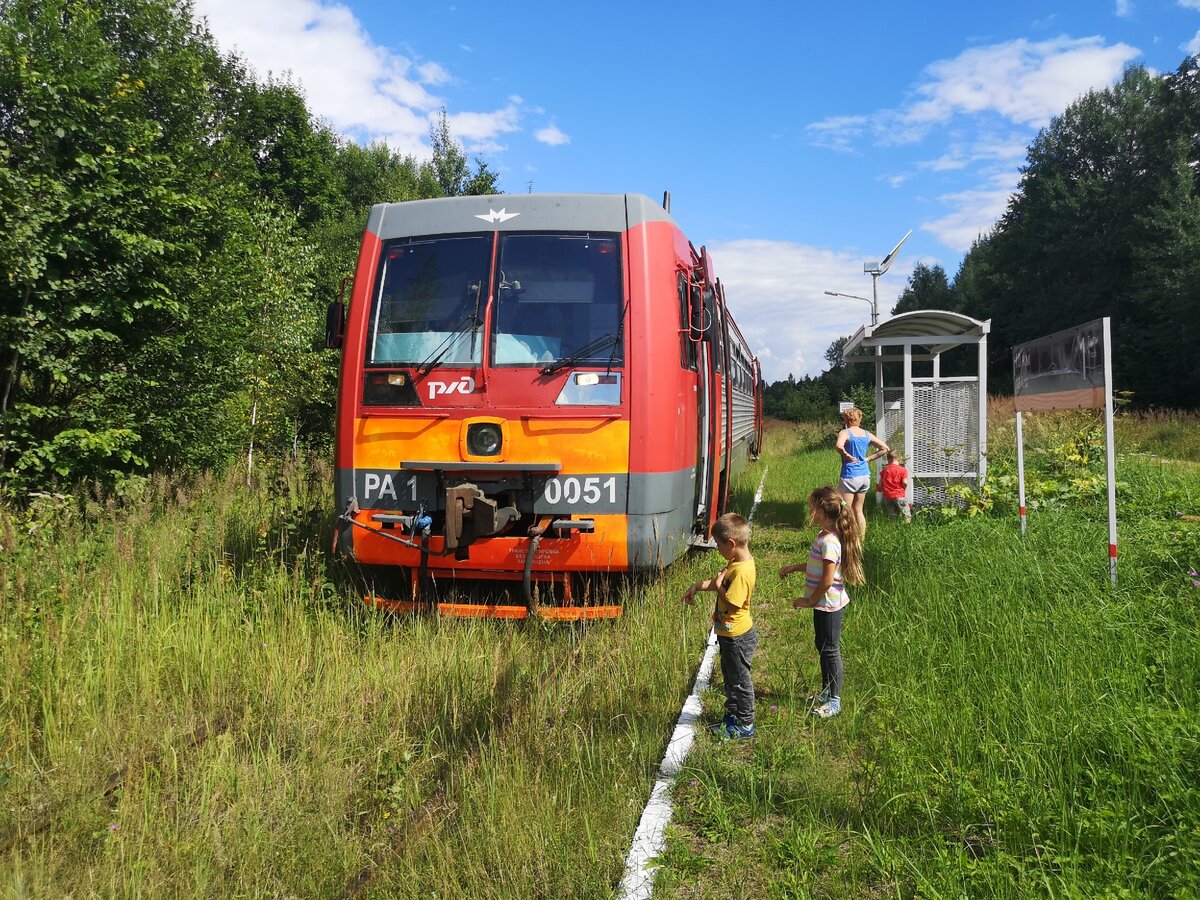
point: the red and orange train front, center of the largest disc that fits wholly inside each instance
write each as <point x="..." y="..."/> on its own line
<point x="517" y="400"/>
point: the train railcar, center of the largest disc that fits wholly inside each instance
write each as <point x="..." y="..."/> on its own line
<point x="534" y="387"/>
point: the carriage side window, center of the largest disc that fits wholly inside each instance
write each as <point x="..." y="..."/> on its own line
<point x="559" y="298"/>
<point x="429" y="300"/>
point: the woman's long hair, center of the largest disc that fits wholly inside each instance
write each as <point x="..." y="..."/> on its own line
<point x="828" y="502"/>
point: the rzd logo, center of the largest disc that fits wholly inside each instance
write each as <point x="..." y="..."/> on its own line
<point x="464" y="385"/>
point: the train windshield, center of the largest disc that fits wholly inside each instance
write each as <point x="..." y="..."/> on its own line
<point x="428" y="307"/>
<point x="558" y="299"/>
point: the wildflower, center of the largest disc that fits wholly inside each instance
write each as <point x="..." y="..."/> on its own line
<point x="1195" y="583"/>
<point x="114" y="826"/>
<point x="693" y="782"/>
<point x="774" y="709"/>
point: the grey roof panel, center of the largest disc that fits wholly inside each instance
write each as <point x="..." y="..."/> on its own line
<point x="514" y="212"/>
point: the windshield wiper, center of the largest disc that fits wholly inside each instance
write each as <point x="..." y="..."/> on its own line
<point x="582" y="353"/>
<point x="431" y="362"/>
<point x="612" y="357"/>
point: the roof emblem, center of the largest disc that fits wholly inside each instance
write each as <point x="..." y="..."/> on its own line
<point x="494" y="217"/>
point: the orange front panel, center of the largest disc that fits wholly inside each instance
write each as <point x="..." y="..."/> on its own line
<point x="584" y="444"/>
<point x="602" y="551"/>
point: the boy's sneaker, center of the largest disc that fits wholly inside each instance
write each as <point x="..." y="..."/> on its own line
<point x="818" y="699"/>
<point x="828" y="709"/>
<point x="720" y="728"/>
<point x="739" y="732"/>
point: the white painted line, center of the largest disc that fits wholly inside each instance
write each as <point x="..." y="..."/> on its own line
<point x="651" y="834"/>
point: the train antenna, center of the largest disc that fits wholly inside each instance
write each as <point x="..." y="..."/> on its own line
<point x="667" y="200"/>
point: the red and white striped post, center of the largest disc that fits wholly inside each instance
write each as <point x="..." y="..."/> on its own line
<point x="1021" y="472"/>
<point x="1110" y="454"/>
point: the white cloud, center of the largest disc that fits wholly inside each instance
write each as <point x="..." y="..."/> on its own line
<point x="974" y="212"/>
<point x="359" y="87"/>
<point x="982" y="107"/>
<point x="478" y="131"/>
<point x="984" y="148"/>
<point x="1025" y="82"/>
<point x="433" y="74"/>
<point x="1190" y="4"/>
<point x="552" y="135"/>
<point x="776" y="291"/>
<point x="1124" y="8"/>
<point x="1192" y="47"/>
<point x="838" y="133"/>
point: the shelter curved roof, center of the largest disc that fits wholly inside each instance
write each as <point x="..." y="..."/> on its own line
<point x="936" y="329"/>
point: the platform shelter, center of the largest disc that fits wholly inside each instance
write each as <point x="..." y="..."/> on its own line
<point x="938" y="420"/>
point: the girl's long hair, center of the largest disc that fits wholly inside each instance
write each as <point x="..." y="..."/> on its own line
<point x="828" y="503"/>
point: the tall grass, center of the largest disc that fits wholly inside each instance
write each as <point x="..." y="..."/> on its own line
<point x="1013" y="726"/>
<point x="194" y="702"/>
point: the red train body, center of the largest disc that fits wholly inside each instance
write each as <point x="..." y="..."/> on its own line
<point x="535" y="387"/>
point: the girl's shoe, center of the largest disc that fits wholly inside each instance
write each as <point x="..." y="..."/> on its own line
<point x="828" y="709"/>
<point x="818" y="699"/>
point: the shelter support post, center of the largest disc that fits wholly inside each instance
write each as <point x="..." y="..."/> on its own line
<point x="909" y="430"/>
<point x="981" y="407"/>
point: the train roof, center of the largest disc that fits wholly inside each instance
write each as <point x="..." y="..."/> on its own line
<point x="514" y="212"/>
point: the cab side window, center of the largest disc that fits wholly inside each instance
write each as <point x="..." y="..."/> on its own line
<point x="687" y="347"/>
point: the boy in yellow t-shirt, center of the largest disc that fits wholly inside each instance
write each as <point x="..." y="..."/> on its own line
<point x="736" y="634"/>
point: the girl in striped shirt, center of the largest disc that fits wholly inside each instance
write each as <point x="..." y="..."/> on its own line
<point x="834" y="560"/>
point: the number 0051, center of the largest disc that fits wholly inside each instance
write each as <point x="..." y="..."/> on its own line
<point x="572" y="490"/>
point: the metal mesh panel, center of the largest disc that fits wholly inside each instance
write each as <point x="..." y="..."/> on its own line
<point x="945" y="439"/>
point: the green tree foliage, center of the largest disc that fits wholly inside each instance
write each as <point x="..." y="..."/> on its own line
<point x="276" y="147"/>
<point x="106" y="208"/>
<point x="450" y="164"/>
<point x="170" y="233"/>
<point x="1103" y="224"/>
<point x="816" y="399"/>
<point x="927" y="288"/>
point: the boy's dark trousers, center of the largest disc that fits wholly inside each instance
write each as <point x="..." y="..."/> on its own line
<point x="736" y="655"/>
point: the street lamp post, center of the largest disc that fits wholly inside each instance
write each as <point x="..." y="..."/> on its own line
<point x="875" y="269"/>
<point x="874" y="304"/>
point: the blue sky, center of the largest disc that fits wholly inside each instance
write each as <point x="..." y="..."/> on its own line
<point x="798" y="140"/>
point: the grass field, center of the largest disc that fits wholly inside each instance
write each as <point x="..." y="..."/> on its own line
<point x="194" y="703"/>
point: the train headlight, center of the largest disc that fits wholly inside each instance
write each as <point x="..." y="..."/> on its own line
<point x="484" y="439"/>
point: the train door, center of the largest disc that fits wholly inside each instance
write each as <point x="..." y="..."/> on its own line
<point x="723" y="402"/>
<point x="704" y="462"/>
<point x="698" y="328"/>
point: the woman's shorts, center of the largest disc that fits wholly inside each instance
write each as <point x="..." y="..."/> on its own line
<point x="858" y="485"/>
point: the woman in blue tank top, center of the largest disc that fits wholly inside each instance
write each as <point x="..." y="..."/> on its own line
<point x="854" y="445"/>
